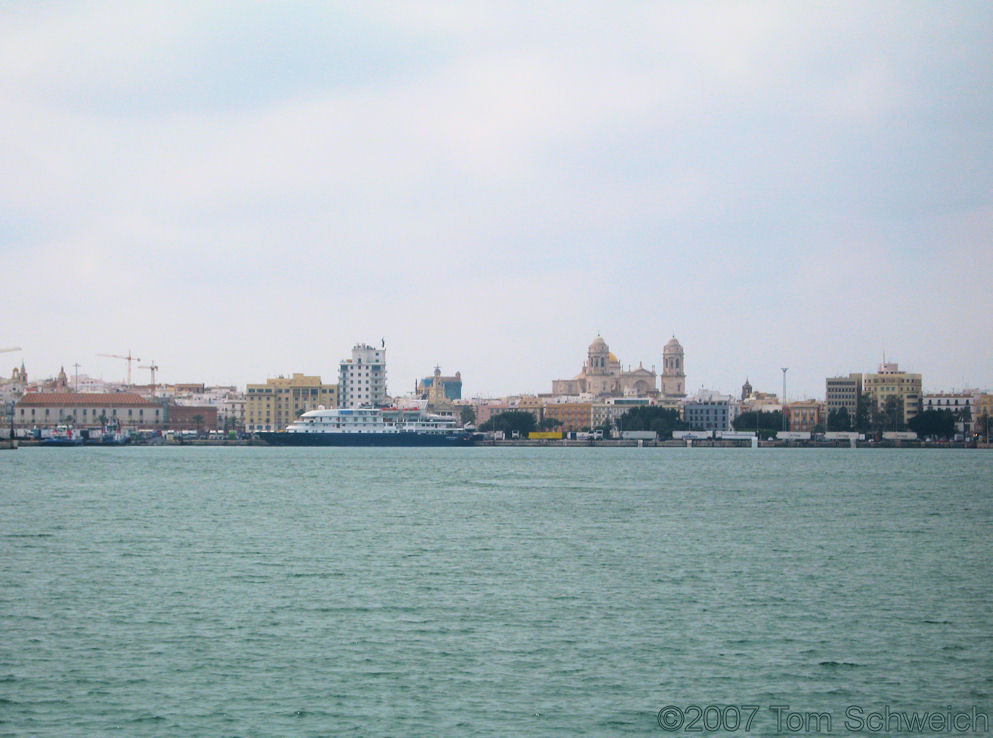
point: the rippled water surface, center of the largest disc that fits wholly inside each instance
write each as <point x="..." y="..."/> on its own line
<point x="497" y="591"/>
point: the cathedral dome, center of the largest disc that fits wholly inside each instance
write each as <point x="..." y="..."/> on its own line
<point x="598" y="346"/>
<point x="673" y="345"/>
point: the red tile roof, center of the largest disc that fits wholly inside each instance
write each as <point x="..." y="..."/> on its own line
<point x="84" y="399"/>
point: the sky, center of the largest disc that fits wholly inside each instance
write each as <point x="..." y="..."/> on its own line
<point x="243" y="190"/>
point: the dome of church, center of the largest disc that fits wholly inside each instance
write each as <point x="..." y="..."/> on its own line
<point x="673" y="345"/>
<point x="612" y="358"/>
<point x="598" y="345"/>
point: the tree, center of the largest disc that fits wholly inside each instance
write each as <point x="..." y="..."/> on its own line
<point x="549" y="423"/>
<point x="863" y="412"/>
<point x="939" y="423"/>
<point x="510" y="422"/>
<point x="467" y="415"/>
<point x="198" y="421"/>
<point x="662" y="420"/>
<point x="893" y="413"/>
<point x="964" y="416"/>
<point x="766" y="424"/>
<point x="839" y="420"/>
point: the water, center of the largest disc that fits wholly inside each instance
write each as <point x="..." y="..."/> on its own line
<point x="491" y="591"/>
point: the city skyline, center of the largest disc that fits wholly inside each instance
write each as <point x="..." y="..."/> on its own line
<point x="74" y="375"/>
<point x="240" y="192"/>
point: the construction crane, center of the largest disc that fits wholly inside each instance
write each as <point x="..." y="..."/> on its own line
<point x="15" y="348"/>
<point x="129" y="358"/>
<point x="153" y="367"/>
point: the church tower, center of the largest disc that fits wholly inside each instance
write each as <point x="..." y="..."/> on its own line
<point x="597" y="358"/>
<point x="61" y="381"/>
<point x="746" y="390"/>
<point x="673" y="370"/>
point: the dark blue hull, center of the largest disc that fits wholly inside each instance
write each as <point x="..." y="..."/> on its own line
<point x="367" y="439"/>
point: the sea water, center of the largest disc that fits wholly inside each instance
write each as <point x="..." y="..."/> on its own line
<point x="492" y="591"/>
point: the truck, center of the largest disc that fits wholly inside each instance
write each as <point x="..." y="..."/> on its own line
<point x="639" y="435"/>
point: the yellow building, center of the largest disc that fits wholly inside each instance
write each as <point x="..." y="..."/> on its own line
<point x="574" y="416"/>
<point x="280" y="401"/>
<point x="805" y="415"/>
<point x="891" y="382"/>
<point x="983" y="410"/>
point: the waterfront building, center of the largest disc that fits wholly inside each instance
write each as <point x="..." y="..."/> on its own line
<point x="805" y="415"/>
<point x="762" y="402"/>
<point x="984" y="411"/>
<point x="888" y="382"/>
<point x="961" y="404"/>
<point x="231" y="411"/>
<point x="955" y="402"/>
<point x="277" y="403"/>
<point x="486" y="409"/>
<point x="609" y="411"/>
<point x="673" y="370"/>
<point x="844" y="392"/>
<point x="229" y="402"/>
<point x="362" y="378"/>
<point x="709" y="410"/>
<point x="199" y="418"/>
<point x="87" y="410"/>
<point x="574" y="416"/>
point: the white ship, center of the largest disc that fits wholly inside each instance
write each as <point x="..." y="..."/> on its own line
<point x="370" y="427"/>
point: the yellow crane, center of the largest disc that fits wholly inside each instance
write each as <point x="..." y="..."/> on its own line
<point x="129" y="358"/>
<point x="153" y="367"/>
<point x="15" y="348"/>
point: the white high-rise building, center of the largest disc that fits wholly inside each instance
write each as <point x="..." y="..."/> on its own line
<point x="362" y="379"/>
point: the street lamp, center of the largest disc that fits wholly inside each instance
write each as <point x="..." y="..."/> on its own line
<point x="783" y="403"/>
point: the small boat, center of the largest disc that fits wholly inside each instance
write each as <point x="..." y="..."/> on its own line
<point x="63" y="435"/>
<point x="110" y="435"/>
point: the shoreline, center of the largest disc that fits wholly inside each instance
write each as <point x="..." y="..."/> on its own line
<point x="567" y="443"/>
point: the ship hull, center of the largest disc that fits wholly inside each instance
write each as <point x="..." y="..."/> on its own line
<point x="366" y="439"/>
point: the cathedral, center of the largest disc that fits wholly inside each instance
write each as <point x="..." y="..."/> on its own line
<point x="602" y="375"/>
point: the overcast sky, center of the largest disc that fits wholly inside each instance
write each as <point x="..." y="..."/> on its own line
<point x="241" y="190"/>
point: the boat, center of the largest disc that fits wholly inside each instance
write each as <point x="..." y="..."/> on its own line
<point x="63" y="435"/>
<point x="109" y="435"/>
<point x="370" y="427"/>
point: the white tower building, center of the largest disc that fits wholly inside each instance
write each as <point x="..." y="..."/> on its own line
<point x="362" y="379"/>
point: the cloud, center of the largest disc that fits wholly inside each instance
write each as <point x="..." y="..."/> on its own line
<point x="485" y="182"/>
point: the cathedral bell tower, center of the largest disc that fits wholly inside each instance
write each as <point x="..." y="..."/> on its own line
<point x="673" y="370"/>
